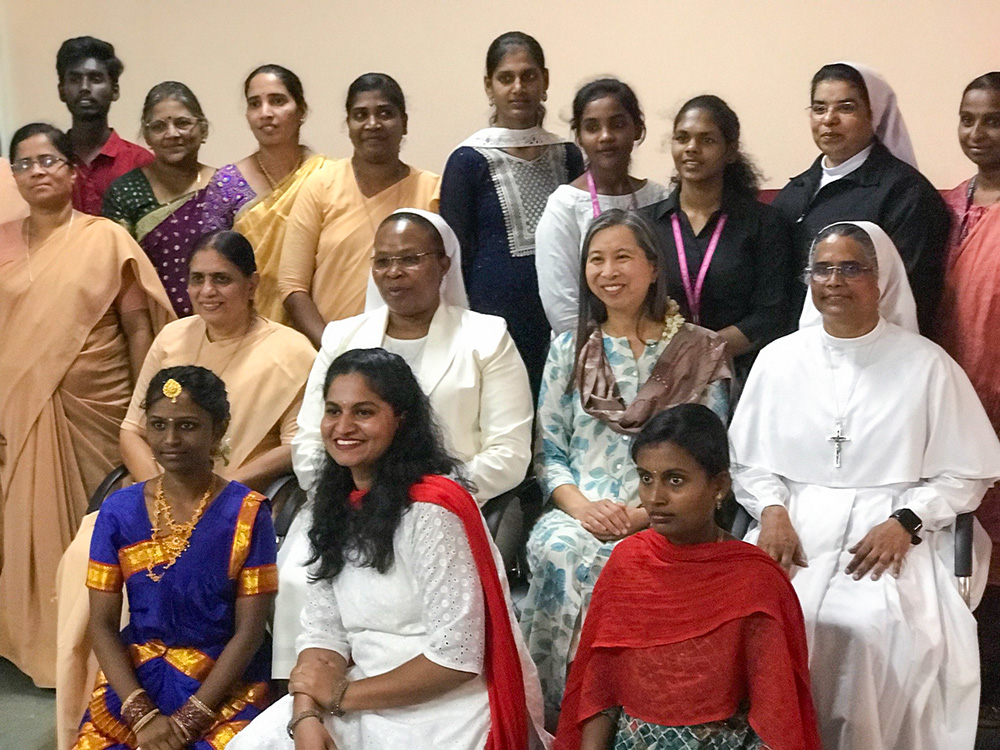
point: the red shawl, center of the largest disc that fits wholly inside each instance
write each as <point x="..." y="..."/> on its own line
<point x="504" y="680"/>
<point x="682" y="635"/>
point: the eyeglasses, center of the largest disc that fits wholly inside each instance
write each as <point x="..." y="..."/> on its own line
<point x="383" y="263"/>
<point x="848" y="270"/>
<point x="818" y="109"/>
<point x="46" y="161"/>
<point x="181" y="124"/>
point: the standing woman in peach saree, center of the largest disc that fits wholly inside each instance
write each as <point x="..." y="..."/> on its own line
<point x="79" y="305"/>
<point x="269" y="179"/>
<point x="326" y="255"/>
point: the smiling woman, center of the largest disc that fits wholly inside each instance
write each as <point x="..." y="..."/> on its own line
<point x="331" y="229"/>
<point x="166" y="205"/>
<point x="632" y="355"/>
<point x="407" y="632"/>
<point x="609" y="124"/>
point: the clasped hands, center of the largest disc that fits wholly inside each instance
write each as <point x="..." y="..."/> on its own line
<point x="161" y="733"/>
<point x="319" y="679"/>
<point x="609" y="521"/>
<point x="882" y="549"/>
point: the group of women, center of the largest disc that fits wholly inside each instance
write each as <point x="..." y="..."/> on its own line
<point x="618" y="315"/>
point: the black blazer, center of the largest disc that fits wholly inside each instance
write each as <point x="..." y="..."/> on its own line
<point x="888" y="192"/>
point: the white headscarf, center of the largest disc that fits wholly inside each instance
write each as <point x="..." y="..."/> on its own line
<point x="452" y="285"/>
<point x="887" y="120"/>
<point x="896" y="303"/>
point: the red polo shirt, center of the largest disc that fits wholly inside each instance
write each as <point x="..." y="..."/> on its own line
<point x="115" y="158"/>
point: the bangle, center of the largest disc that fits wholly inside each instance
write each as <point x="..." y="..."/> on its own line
<point x="145" y="720"/>
<point x="137" y="707"/>
<point x="194" y="719"/>
<point x="335" y="708"/>
<point x="312" y="713"/>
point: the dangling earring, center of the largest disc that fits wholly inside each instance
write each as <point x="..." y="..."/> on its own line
<point x="718" y="501"/>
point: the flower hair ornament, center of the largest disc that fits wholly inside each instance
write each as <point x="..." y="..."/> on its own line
<point x="172" y="389"/>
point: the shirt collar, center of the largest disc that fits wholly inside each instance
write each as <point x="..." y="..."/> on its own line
<point x="850" y="165"/>
<point x="111" y="148"/>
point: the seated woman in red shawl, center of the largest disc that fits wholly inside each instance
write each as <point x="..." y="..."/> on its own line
<point x="693" y="638"/>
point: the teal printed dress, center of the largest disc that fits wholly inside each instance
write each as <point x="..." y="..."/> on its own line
<point x="572" y="447"/>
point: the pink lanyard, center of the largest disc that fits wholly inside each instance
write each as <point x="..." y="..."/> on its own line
<point x="593" y="196"/>
<point x="694" y="295"/>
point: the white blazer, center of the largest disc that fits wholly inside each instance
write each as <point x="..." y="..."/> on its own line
<point x="476" y="382"/>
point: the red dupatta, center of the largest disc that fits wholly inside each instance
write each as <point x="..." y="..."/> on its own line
<point x="502" y="667"/>
<point x="651" y="600"/>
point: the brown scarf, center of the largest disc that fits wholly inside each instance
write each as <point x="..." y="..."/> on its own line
<point x="694" y="358"/>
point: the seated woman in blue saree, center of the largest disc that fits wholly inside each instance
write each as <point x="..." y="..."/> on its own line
<point x="168" y="205"/>
<point x="197" y="557"/>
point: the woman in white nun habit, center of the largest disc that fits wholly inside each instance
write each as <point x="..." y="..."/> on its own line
<point x="465" y="362"/>
<point x="867" y="171"/>
<point x="858" y="442"/>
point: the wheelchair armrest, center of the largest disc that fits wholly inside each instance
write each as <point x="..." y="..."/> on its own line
<point x="494" y="508"/>
<point x="963" y="545"/>
<point x="741" y="523"/>
<point x="116" y="475"/>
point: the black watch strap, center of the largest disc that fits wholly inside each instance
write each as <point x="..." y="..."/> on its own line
<point x="909" y="521"/>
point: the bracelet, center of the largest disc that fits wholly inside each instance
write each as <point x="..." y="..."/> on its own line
<point x="335" y="709"/>
<point x="309" y="714"/>
<point x="145" y="720"/>
<point x="194" y="719"/>
<point x="137" y="707"/>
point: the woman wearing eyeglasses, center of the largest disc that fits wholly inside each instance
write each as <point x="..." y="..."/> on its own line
<point x="166" y="205"/>
<point x="466" y="363"/>
<point x="79" y="306"/>
<point x="876" y="441"/>
<point x="866" y="171"/>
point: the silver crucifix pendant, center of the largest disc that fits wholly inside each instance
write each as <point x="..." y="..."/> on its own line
<point x="838" y="440"/>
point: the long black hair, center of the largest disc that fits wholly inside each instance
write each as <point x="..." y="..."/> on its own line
<point x="340" y="533"/>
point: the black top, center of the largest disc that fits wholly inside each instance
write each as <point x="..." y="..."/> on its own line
<point x="748" y="280"/>
<point x="493" y="201"/>
<point x="888" y="192"/>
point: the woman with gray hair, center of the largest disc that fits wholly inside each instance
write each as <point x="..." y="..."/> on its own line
<point x="856" y="441"/>
<point x="896" y="303"/>
<point x="633" y="355"/>
<point x="166" y="205"/>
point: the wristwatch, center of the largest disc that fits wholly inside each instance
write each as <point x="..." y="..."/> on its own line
<point x="909" y="521"/>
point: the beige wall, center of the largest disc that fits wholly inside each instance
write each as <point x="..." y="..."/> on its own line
<point x="758" y="55"/>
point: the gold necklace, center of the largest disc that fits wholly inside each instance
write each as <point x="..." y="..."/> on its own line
<point x="270" y="181"/>
<point x="173" y="540"/>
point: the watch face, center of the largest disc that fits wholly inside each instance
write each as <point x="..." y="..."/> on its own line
<point x="910" y="520"/>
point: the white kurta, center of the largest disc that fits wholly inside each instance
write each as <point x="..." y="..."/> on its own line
<point x="894" y="662"/>
<point x="431" y="603"/>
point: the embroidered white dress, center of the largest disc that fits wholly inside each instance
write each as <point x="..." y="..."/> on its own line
<point x="430" y="602"/>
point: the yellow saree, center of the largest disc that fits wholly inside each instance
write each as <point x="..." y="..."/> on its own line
<point x="64" y="388"/>
<point x="262" y="221"/>
<point x="331" y="233"/>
